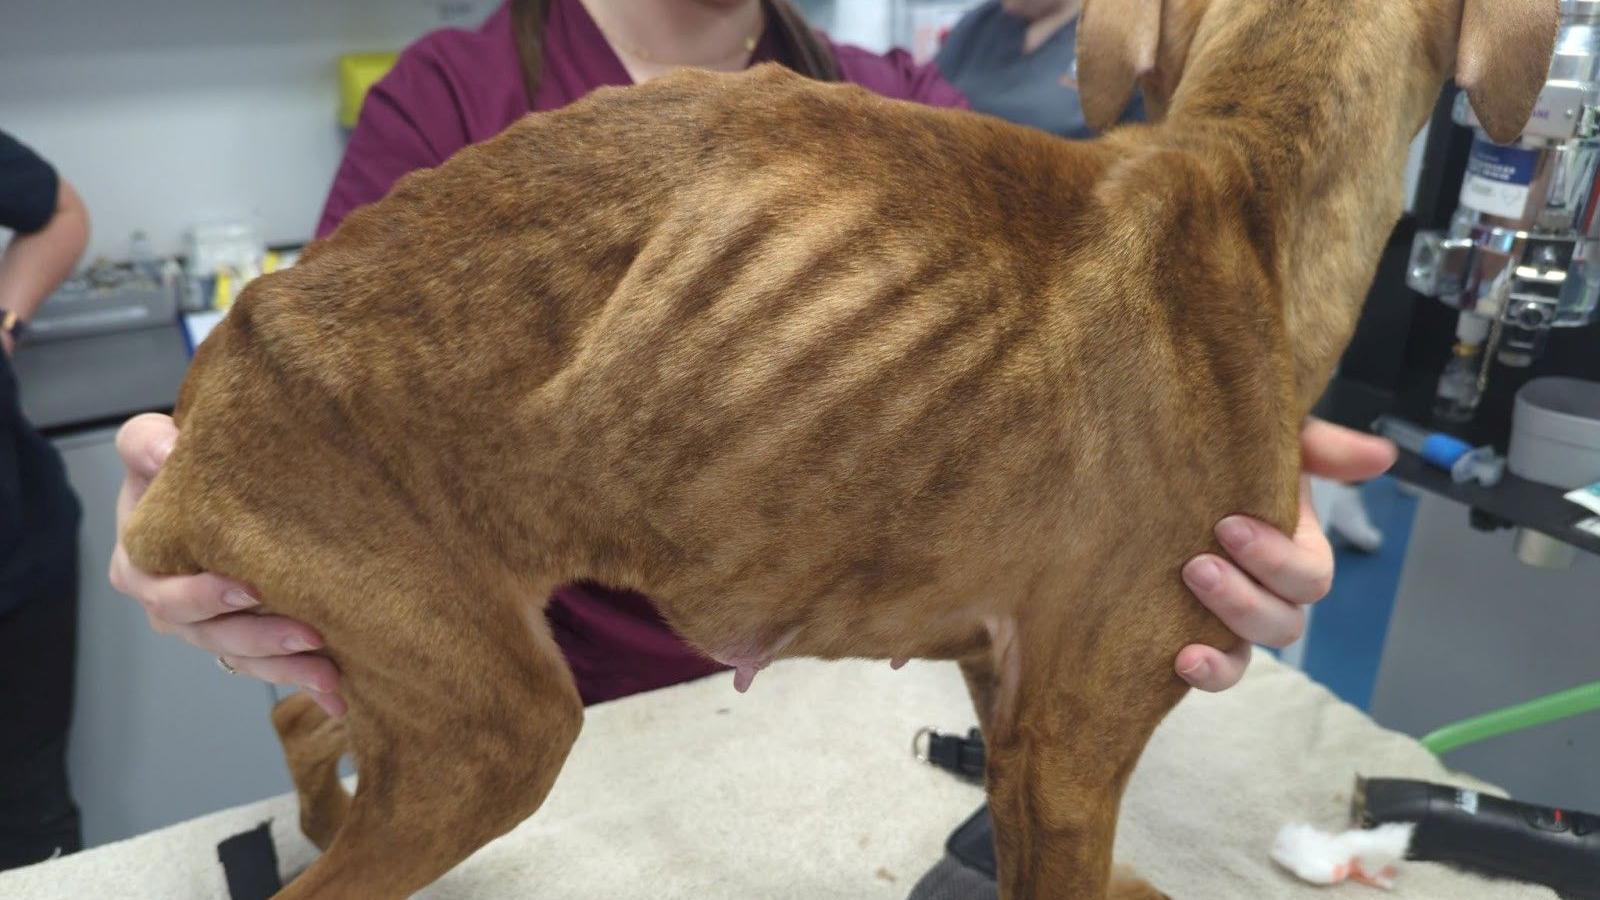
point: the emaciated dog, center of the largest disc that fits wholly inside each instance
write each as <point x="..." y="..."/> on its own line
<point x="823" y="374"/>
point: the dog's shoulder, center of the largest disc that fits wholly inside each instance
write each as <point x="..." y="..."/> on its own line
<point x="1174" y="210"/>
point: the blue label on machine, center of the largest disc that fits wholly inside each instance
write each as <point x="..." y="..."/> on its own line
<point x="1498" y="178"/>
<point x="1508" y="165"/>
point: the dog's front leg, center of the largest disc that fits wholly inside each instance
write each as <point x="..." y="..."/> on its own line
<point x="1069" y="715"/>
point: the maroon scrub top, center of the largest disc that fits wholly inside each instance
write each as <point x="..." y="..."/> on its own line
<point x="453" y="88"/>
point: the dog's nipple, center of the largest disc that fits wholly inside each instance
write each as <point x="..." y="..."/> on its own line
<point x="899" y="661"/>
<point x="743" y="677"/>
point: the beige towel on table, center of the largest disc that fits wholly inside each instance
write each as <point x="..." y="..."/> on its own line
<point x="805" y="789"/>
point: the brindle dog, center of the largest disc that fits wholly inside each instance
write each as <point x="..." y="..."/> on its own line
<point x="824" y="374"/>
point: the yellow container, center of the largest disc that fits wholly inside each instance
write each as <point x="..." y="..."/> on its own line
<point x="358" y="72"/>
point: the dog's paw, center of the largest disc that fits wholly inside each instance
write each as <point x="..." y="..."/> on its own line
<point x="1125" y="885"/>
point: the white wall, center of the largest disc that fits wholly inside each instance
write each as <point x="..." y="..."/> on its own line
<point x="164" y="113"/>
<point x="881" y="24"/>
<point x="865" y="23"/>
<point x="167" y="112"/>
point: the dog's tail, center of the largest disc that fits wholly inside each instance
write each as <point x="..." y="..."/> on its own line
<point x="313" y="743"/>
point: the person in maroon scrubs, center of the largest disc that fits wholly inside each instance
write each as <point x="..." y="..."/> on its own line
<point x="453" y="88"/>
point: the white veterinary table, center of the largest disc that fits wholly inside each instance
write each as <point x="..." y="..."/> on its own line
<point x="805" y="788"/>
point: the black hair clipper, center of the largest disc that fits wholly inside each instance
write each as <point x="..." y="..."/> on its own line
<point x="1553" y="847"/>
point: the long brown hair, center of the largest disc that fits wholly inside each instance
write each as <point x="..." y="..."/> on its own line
<point x="800" y="46"/>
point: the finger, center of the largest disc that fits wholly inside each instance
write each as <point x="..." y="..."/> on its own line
<point x="179" y="599"/>
<point x="244" y="634"/>
<point x="314" y="673"/>
<point x="144" y="442"/>
<point x="1343" y="454"/>
<point x="1209" y="669"/>
<point x="1298" y="569"/>
<point x="1243" y="605"/>
<point x="1309" y="533"/>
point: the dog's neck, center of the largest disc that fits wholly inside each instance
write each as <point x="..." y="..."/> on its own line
<point x="1315" y="137"/>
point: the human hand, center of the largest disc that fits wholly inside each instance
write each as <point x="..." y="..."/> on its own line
<point x="209" y="611"/>
<point x="1263" y="591"/>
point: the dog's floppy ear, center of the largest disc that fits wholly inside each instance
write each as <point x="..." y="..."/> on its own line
<point x="1117" y="44"/>
<point x="1502" y="59"/>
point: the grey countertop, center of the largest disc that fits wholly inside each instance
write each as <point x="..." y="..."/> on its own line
<point x="92" y="381"/>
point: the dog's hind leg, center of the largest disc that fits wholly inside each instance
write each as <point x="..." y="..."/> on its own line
<point x="455" y="744"/>
<point x="461" y="707"/>
<point x="313" y="744"/>
<point x="1075" y="696"/>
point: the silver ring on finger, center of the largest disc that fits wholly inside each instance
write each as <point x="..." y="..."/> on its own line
<point x="225" y="666"/>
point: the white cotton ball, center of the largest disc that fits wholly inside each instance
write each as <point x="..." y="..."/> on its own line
<point x="1317" y="857"/>
<point x="1312" y="855"/>
<point x="1377" y="851"/>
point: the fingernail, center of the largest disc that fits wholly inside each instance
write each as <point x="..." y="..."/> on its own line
<point x="1236" y="532"/>
<point x="294" y="643"/>
<point x="1195" y="672"/>
<point x="238" y="599"/>
<point x="160" y="452"/>
<point x="1203" y="574"/>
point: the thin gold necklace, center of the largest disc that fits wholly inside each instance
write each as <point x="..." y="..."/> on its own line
<point x="746" y="49"/>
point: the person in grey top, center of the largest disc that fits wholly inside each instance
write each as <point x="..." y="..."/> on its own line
<point x="1017" y="59"/>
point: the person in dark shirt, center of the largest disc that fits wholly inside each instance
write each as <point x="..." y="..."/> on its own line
<point x="1017" y="60"/>
<point x="38" y="530"/>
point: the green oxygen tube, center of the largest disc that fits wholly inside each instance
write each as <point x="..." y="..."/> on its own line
<point x="1541" y="711"/>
